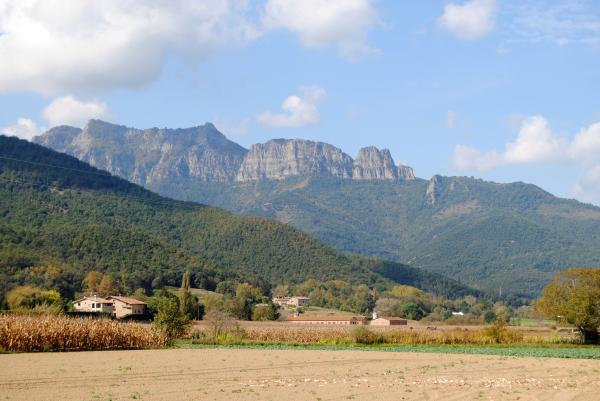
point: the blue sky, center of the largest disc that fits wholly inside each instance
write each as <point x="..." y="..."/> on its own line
<point x="502" y="90"/>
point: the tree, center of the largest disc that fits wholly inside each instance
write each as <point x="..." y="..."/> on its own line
<point x="573" y="296"/>
<point x="92" y="281"/>
<point x="28" y="297"/>
<point x="169" y="317"/>
<point x="108" y="285"/>
<point x="411" y="310"/>
<point x="217" y="317"/>
<point x="186" y="299"/>
<point x="265" y="312"/>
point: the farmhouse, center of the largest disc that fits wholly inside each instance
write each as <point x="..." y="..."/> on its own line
<point x="291" y="301"/>
<point x="93" y="304"/>
<point x="388" y="321"/>
<point x="123" y="306"/>
<point x="339" y="320"/>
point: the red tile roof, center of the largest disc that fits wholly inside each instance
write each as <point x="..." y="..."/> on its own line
<point x="129" y="301"/>
<point x="325" y="318"/>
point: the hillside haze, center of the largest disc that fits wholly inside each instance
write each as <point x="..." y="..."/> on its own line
<point x="62" y="218"/>
<point x="509" y="237"/>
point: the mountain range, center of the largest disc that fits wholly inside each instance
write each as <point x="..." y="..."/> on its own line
<point x="504" y="237"/>
<point x="62" y="218"/>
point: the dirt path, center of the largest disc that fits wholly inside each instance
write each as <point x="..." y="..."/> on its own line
<point x="250" y="374"/>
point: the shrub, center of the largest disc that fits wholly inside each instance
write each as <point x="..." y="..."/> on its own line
<point x="265" y="312"/>
<point x="363" y="335"/>
<point x="28" y="297"/>
<point x="169" y="317"/>
<point x="500" y="334"/>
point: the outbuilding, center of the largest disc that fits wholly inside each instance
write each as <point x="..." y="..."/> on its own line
<point x="124" y="306"/>
<point x="389" y="321"/>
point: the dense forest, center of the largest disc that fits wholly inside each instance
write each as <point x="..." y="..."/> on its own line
<point x="488" y="235"/>
<point x="61" y="218"/>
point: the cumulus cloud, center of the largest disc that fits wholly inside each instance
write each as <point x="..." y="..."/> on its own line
<point x="537" y="144"/>
<point x="56" y="47"/>
<point x="299" y="111"/>
<point x="24" y="128"/>
<point x="65" y="110"/>
<point x="343" y="24"/>
<point x="66" y="46"/>
<point x="469" y="21"/>
<point x="68" y="110"/>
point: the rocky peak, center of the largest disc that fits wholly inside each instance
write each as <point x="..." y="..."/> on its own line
<point x="151" y="155"/>
<point x="281" y="158"/>
<point x="374" y="164"/>
<point x="433" y="189"/>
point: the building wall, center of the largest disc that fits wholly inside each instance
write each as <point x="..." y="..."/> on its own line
<point x="92" y="305"/>
<point x="386" y="322"/>
<point x="122" y="309"/>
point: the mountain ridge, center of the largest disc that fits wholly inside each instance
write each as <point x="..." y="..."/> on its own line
<point x="488" y="235"/>
<point x="62" y="218"/>
<point x="202" y="153"/>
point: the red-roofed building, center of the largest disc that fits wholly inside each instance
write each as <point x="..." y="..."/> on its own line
<point x="124" y="306"/>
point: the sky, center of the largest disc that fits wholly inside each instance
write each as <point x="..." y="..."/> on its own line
<point x="501" y="90"/>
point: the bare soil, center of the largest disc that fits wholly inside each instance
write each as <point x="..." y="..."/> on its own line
<point x="252" y="374"/>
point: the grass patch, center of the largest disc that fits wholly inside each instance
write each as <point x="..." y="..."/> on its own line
<point x="549" y="351"/>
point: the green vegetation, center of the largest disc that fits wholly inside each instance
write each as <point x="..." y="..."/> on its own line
<point x="511" y="237"/>
<point x="33" y="298"/>
<point x="60" y="223"/>
<point x="570" y="352"/>
<point x="573" y="297"/>
<point x="169" y="316"/>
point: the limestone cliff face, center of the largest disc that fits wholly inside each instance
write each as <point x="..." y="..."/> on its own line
<point x="158" y="155"/>
<point x="374" y="164"/>
<point x="281" y="158"/>
<point x="433" y="189"/>
<point x="151" y="155"/>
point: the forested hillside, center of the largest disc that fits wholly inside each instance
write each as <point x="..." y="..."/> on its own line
<point x="508" y="238"/>
<point x="62" y="218"/>
<point x="489" y="235"/>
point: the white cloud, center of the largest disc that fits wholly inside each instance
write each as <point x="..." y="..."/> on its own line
<point x="537" y="144"/>
<point x="24" y="128"/>
<point x="69" y="46"/>
<point x="344" y="24"/>
<point x="586" y="145"/>
<point x="561" y="23"/>
<point x="299" y="110"/>
<point x="587" y="188"/>
<point x="57" y="47"/>
<point x="469" y="21"/>
<point x="68" y="110"/>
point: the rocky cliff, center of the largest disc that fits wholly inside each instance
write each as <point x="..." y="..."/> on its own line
<point x="202" y="153"/>
<point x="281" y="158"/>
<point x="374" y="164"/>
<point x="151" y="155"/>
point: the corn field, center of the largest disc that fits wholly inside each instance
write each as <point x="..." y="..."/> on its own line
<point x="308" y="335"/>
<point x="27" y="333"/>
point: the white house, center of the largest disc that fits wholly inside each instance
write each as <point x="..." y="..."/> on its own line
<point x="93" y="304"/>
